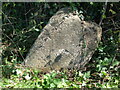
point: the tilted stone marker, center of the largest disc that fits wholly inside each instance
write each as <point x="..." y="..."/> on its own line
<point x="66" y="42"/>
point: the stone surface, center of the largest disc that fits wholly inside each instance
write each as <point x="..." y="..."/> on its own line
<point x="66" y="42"/>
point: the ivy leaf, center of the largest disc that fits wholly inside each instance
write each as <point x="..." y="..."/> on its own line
<point x="103" y="16"/>
<point x="86" y="75"/>
<point x="113" y="12"/>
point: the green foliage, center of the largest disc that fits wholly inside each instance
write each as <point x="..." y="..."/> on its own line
<point x="23" y="22"/>
<point x="34" y="78"/>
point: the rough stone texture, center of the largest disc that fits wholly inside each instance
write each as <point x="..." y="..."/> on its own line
<point x="66" y="42"/>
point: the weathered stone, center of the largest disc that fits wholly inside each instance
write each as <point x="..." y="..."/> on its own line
<point x="66" y="42"/>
